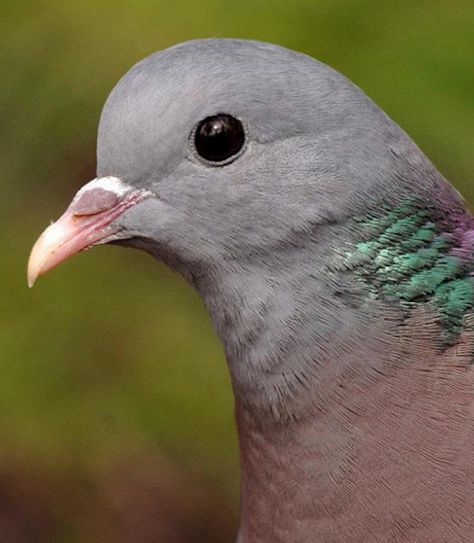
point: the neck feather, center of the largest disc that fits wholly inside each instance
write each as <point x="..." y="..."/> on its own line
<point x="413" y="255"/>
<point x="292" y="324"/>
<point x="336" y="352"/>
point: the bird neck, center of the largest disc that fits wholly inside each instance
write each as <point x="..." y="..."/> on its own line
<point x="336" y="353"/>
<point x="333" y="300"/>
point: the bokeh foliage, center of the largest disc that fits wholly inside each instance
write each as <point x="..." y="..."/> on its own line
<point x="109" y="369"/>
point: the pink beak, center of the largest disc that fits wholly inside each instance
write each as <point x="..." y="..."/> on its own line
<point x="87" y="221"/>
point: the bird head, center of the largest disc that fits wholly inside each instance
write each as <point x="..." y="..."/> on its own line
<point x="219" y="150"/>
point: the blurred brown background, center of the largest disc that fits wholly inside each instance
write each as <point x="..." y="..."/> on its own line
<point x="116" y="419"/>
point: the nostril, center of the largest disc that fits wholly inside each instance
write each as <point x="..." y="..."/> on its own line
<point x="92" y="202"/>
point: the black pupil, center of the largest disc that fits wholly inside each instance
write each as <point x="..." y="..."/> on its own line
<point x="219" y="137"/>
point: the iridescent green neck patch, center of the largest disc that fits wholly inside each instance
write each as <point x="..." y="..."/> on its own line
<point x="413" y="255"/>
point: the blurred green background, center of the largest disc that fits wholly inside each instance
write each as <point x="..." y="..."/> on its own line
<point x="116" y="420"/>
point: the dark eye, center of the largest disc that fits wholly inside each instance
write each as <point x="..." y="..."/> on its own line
<point x="219" y="138"/>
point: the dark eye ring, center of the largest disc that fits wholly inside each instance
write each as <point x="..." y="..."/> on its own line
<point x="219" y="139"/>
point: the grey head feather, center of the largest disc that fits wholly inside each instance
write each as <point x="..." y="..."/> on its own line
<point x="317" y="147"/>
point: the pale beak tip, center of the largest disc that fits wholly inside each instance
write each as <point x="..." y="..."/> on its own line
<point x="31" y="280"/>
<point x="46" y="251"/>
<point x="39" y="255"/>
<point x="33" y="270"/>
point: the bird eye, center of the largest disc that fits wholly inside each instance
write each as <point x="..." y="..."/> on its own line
<point x="219" y="138"/>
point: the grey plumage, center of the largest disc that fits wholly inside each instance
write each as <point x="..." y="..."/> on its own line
<point x="355" y="421"/>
